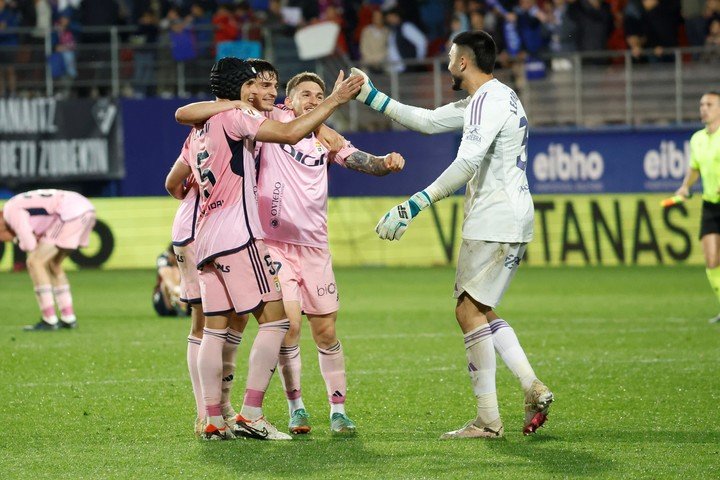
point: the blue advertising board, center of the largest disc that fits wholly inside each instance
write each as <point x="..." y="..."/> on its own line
<point x="615" y="160"/>
<point x="608" y="161"/>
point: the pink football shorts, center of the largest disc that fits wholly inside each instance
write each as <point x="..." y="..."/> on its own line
<point x="240" y="281"/>
<point x="306" y="276"/>
<point x="189" y="277"/>
<point x="71" y="234"/>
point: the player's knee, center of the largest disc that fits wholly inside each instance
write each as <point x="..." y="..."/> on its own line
<point x="34" y="262"/>
<point x="324" y="334"/>
<point x="293" y="332"/>
<point x="55" y="268"/>
<point x="712" y="261"/>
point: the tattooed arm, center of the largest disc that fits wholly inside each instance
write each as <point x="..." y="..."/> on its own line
<point x="373" y="165"/>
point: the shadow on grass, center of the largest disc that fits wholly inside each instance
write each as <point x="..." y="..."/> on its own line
<point x="303" y="456"/>
<point x="553" y="456"/>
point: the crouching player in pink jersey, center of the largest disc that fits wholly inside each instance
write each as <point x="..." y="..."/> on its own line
<point x="237" y="274"/>
<point x="183" y="238"/>
<point x="292" y="196"/>
<point x="49" y="224"/>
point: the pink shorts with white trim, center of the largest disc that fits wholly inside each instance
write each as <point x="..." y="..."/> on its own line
<point x="72" y="234"/>
<point x="306" y="276"/>
<point x="239" y="281"/>
<point x="189" y="277"/>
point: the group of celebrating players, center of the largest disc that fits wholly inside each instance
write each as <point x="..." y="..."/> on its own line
<point x="250" y="235"/>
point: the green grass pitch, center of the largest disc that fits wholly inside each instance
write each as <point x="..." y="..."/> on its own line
<point x="627" y="351"/>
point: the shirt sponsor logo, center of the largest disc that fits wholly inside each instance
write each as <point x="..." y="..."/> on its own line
<point x="307" y="160"/>
<point x="276" y="204"/>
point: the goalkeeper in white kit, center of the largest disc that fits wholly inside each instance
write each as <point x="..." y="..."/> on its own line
<point x="498" y="222"/>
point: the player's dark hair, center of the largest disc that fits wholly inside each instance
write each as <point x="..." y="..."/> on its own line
<point x="482" y="46"/>
<point x="304" y="77"/>
<point x="713" y="92"/>
<point x="228" y="75"/>
<point x="263" y="68"/>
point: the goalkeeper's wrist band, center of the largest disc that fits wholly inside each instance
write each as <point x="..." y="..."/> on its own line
<point x="377" y="100"/>
<point x="418" y="202"/>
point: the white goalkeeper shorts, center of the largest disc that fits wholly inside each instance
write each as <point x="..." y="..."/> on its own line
<point x="485" y="269"/>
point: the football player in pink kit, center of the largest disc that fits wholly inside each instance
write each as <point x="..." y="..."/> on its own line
<point x="49" y="224"/>
<point x="183" y="238"/>
<point x="292" y="197"/>
<point x="236" y="272"/>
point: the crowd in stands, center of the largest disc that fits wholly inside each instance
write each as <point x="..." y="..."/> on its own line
<point x="382" y="34"/>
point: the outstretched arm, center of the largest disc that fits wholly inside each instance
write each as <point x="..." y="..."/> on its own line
<point x="373" y="165"/>
<point x="292" y="132"/>
<point x="443" y="119"/>
<point x="199" y="112"/>
<point x="474" y="146"/>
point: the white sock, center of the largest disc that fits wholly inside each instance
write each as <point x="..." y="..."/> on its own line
<point x="251" y="413"/>
<point x="295" y="405"/>
<point x="508" y="346"/>
<point x="337" y="408"/>
<point x="481" y="367"/>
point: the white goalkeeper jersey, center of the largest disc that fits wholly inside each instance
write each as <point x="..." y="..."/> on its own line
<point x="492" y="159"/>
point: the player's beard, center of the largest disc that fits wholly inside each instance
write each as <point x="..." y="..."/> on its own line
<point x="456" y="83"/>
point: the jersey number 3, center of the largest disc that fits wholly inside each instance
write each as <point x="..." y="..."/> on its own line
<point x="520" y="163"/>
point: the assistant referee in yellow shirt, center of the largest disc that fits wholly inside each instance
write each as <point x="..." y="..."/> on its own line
<point x="705" y="163"/>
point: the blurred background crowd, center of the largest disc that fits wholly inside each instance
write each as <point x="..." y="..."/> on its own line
<point x="382" y="34"/>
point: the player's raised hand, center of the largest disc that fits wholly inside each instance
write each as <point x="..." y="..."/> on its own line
<point x="393" y="224"/>
<point x="370" y="95"/>
<point x="346" y="89"/>
<point x="394" y="162"/>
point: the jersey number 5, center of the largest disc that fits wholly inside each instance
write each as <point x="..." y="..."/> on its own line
<point x="520" y="163"/>
<point x="205" y="173"/>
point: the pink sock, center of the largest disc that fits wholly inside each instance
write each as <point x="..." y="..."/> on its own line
<point x="192" y="356"/>
<point x="210" y="367"/>
<point x="290" y="367"/>
<point x="229" y="354"/>
<point x="262" y="363"/>
<point x="63" y="297"/>
<point x="44" y="296"/>
<point x="332" y="367"/>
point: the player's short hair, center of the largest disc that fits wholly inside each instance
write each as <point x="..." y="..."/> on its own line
<point x="303" y="77"/>
<point x="228" y="75"/>
<point x="712" y="92"/>
<point x="263" y="68"/>
<point x="482" y="46"/>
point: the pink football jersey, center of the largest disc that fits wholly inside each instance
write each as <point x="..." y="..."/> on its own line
<point x="221" y="156"/>
<point x="185" y="221"/>
<point x="293" y="187"/>
<point x="30" y="214"/>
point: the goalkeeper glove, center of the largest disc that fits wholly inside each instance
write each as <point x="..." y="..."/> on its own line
<point x="395" y="222"/>
<point x="370" y="95"/>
